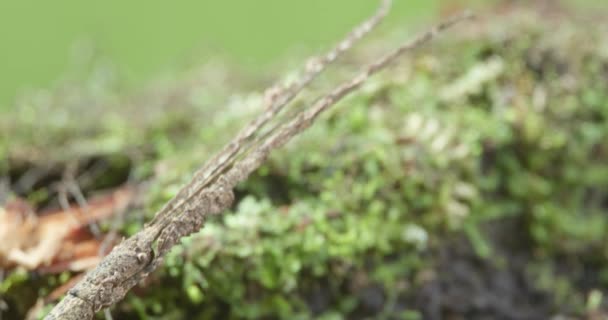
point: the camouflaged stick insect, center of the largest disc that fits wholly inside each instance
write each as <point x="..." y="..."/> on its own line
<point x="219" y="197"/>
<point x="281" y="135"/>
<point x="241" y="169"/>
<point x="112" y="279"/>
<point x="133" y="259"/>
<point x="275" y="99"/>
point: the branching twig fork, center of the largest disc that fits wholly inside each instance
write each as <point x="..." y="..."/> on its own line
<point x="136" y="257"/>
<point x="276" y="98"/>
<point x="219" y="198"/>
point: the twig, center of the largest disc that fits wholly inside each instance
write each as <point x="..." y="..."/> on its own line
<point x="275" y="99"/>
<point x="69" y="185"/>
<point x="3" y="305"/>
<point x="5" y="183"/>
<point x="209" y="193"/>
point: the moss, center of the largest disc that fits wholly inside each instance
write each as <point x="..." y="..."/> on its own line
<point x="351" y="219"/>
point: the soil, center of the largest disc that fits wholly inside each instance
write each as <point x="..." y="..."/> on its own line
<point x="469" y="287"/>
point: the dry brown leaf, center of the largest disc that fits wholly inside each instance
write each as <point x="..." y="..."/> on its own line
<point x="52" y="239"/>
<point x="74" y="256"/>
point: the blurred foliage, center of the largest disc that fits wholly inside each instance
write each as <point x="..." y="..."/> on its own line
<point x="506" y="120"/>
<point x="143" y="39"/>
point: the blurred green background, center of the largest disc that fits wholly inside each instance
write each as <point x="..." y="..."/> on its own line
<point x="145" y="38"/>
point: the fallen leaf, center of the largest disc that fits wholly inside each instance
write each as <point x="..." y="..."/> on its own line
<point x="74" y="256"/>
<point x="52" y="241"/>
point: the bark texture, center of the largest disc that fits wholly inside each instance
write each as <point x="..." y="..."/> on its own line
<point x="210" y="192"/>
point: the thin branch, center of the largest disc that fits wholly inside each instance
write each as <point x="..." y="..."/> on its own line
<point x="136" y="257"/>
<point x="69" y="186"/>
<point x="275" y="99"/>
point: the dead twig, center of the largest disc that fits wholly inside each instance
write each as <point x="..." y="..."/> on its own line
<point x="69" y="185"/>
<point x="275" y="99"/>
<point x="210" y="191"/>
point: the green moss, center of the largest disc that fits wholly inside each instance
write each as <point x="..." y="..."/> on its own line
<point x="509" y="124"/>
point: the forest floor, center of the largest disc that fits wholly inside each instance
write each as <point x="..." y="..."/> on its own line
<point x="467" y="182"/>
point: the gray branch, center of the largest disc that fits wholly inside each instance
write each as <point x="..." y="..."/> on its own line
<point x="210" y="192"/>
